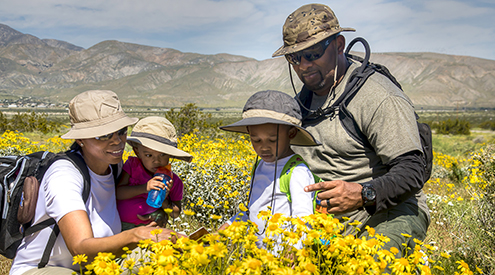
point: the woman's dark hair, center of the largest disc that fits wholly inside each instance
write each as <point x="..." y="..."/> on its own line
<point x="75" y="146"/>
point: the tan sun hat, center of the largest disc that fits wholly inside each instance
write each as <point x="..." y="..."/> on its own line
<point x="96" y="113"/>
<point x="307" y="26"/>
<point x="273" y="107"/>
<point x="157" y="133"/>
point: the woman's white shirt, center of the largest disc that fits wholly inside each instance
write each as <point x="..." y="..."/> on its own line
<point x="61" y="193"/>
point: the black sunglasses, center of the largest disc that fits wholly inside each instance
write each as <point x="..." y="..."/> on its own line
<point x="310" y="54"/>
<point x="120" y="132"/>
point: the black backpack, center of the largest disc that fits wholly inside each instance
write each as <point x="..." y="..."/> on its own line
<point x="356" y="81"/>
<point x="20" y="178"/>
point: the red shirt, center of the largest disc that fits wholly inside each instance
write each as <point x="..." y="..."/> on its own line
<point x="130" y="208"/>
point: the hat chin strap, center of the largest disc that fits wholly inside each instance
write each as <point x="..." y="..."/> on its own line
<point x="332" y="89"/>
<point x="272" y="203"/>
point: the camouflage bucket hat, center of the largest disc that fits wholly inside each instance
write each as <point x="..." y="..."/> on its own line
<point x="307" y="26"/>
<point x="273" y="107"/>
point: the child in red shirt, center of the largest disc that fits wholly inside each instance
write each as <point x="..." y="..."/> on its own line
<point x="154" y="142"/>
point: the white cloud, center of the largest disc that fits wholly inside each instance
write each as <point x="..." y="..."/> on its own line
<point x="253" y="27"/>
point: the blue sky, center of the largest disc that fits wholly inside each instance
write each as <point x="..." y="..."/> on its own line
<point x="253" y="28"/>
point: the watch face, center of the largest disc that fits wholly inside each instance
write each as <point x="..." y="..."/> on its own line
<point x="369" y="194"/>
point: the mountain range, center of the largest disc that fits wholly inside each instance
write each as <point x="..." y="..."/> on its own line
<point x="162" y="77"/>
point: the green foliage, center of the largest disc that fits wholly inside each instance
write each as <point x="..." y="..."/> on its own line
<point x="461" y="145"/>
<point x="457" y="173"/>
<point x="190" y="119"/>
<point x="29" y="122"/>
<point x="451" y="230"/>
<point x="489" y="125"/>
<point x="452" y="127"/>
<point x="475" y="117"/>
<point x="462" y="203"/>
<point x="484" y="217"/>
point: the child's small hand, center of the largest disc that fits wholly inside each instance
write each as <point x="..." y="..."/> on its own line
<point x="169" y="185"/>
<point x="155" y="184"/>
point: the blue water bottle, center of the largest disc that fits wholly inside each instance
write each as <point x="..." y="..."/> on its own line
<point x="156" y="197"/>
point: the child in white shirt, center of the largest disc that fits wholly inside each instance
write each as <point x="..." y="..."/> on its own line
<point x="273" y="121"/>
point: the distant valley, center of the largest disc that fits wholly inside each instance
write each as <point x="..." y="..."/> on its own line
<point x="161" y="77"/>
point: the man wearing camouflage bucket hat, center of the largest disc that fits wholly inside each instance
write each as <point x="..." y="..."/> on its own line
<point x="379" y="185"/>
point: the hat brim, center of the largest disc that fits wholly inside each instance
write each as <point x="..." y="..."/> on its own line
<point x="313" y="40"/>
<point x="161" y="147"/>
<point x="100" y="130"/>
<point x="302" y="138"/>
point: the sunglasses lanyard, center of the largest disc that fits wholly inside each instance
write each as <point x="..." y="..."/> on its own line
<point x="272" y="203"/>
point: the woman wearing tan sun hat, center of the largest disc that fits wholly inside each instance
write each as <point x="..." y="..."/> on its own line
<point x="99" y="128"/>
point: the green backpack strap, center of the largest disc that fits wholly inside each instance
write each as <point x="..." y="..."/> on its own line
<point x="286" y="175"/>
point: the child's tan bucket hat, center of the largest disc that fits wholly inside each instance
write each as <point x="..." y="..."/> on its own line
<point x="157" y="133"/>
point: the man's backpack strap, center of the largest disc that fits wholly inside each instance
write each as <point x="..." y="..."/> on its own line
<point x="356" y="80"/>
<point x="427" y="145"/>
<point x="80" y="164"/>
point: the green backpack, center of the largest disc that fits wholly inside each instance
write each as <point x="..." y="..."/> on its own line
<point x="286" y="174"/>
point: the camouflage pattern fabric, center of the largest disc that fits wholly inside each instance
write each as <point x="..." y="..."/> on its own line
<point x="307" y="26"/>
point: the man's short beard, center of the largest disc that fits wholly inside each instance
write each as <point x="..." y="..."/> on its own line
<point x="318" y="86"/>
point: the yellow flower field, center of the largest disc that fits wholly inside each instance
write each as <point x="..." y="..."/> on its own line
<point x="216" y="187"/>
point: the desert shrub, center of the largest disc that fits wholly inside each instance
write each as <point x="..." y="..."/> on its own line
<point x="190" y="119"/>
<point x="452" y="127"/>
<point x="489" y="125"/>
<point x="29" y="122"/>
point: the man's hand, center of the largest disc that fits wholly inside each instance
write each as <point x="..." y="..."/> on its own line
<point x="338" y="196"/>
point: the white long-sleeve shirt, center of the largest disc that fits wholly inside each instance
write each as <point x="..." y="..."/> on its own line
<point x="262" y="188"/>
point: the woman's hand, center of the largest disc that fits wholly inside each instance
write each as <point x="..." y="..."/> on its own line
<point x="144" y="233"/>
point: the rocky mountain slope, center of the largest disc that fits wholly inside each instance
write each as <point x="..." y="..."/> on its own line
<point x="161" y="77"/>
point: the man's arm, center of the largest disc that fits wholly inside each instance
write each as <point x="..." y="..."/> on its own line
<point x="403" y="180"/>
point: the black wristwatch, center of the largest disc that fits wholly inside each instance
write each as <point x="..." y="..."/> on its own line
<point x="368" y="194"/>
